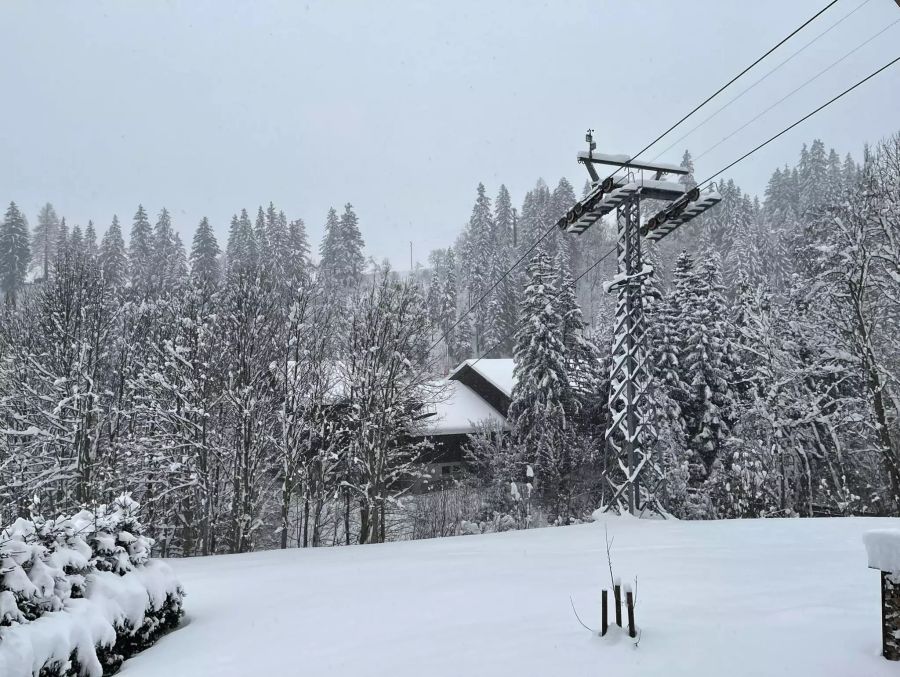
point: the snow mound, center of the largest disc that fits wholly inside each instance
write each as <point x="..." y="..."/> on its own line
<point x="883" y="549"/>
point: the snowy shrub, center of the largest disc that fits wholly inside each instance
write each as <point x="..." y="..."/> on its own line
<point x="80" y="594"/>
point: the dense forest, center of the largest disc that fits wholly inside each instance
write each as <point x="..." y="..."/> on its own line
<point x="260" y="397"/>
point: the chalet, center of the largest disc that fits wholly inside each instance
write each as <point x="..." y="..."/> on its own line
<point x="475" y="394"/>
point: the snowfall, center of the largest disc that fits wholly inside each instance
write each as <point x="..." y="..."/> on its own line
<point x="753" y="597"/>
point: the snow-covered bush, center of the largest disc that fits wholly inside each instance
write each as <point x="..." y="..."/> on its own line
<point x="80" y="594"/>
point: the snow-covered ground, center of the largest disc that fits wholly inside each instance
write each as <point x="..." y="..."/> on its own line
<point x="757" y="597"/>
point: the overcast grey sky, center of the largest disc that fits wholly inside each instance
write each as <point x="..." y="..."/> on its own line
<point x="399" y="107"/>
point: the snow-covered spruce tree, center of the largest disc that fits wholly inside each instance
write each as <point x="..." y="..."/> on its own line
<point x="705" y="360"/>
<point x="381" y="359"/>
<point x="542" y="394"/>
<point x="297" y="262"/>
<point x="43" y="240"/>
<point x="241" y="252"/>
<point x="15" y="253"/>
<point x="743" y="262"/>
<point x="779" y="223"/>
<point x="91" y="247"/>
<point x="562" y="199"/>
<point x="341" y="261"/>
<point x="503" y="303"/>
<point x="813" y="188"/>
<point x="476" y="254"/>
<point x="683" y="317"/>
<point x="168" y="257"/>
<point x="205" y="267"/>
<point x="457" y="334"/>
<point x="437" y="273"/>
<point x="76" y="240"/>
<point x="140" y="254"/>
<point x="261" y="235"/>
<point x="667" y="392"/>
<point x="113" y="258"/>
<point x="708" y="363"/>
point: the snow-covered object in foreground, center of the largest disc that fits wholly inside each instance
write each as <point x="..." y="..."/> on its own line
<point x="883" y="549"/>
<point x="80" y="594"/>
<point x="715" y="598"/>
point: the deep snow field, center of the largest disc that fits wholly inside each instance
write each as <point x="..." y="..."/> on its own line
<point x="714" y="599"/>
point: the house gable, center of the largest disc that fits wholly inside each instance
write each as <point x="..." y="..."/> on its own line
<point x="492" y="380"/>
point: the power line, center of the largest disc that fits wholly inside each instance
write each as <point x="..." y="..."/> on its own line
<point x="714" y="175"/>
<point x="743" y="72"/>
<point x="764" y="77"/>
<point x="797" y="89"/>
<point x="552" y="226"/>
<point x="803" y="119"/>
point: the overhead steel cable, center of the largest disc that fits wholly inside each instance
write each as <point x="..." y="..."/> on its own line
<point x="552" y="226"/>
<point x="801" y="120"/>
<point x="764" y="77"/>
<point x="714" y="175"/>
<point x="797" y="89"/>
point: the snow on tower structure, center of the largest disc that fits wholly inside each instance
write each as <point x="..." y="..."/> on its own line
<point x="632" y="484"/>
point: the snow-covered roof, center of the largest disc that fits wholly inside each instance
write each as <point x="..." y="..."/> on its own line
<point x="498" y="372"/>
<point x="883" y="549"/>
<point x="459" y="410"/>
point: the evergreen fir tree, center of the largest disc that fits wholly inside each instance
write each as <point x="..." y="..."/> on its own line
<point x="707" y="362"/>
<point x="813" y="179"/>
<point x="178" y="265"/>
<point x="478" y="245"/>
<point x="687" y="180"/>
<point x="834" y="185"/>
<point x="850" y="173"/>
<point x="112" y="258"/>
<point x="76" y="240"/>
<point x="62" y="239"/>
<point x="503" y="306"/>
<point x="15" y="252"/>
<point x="561" y="200"/>
<point x="298" y="264"/>
<point x="90" y="240"/>
<point x="44" y="239"/>
<point x="205" y="270"/>
<point x="261" y="235"/>
<point x="140" y="252"/>
<point x="542" y="393"/>
<point x="353" y="244"/>
<point x="165" y="255"/>
<point x="341" y="252"/>
<point x="504" y="217"/>
<point x="241" y="251"/>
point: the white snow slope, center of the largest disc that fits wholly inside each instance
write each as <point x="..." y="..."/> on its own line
<point x="756" y="597"/>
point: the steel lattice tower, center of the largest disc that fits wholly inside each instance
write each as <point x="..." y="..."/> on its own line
<point x="633" y="474"/>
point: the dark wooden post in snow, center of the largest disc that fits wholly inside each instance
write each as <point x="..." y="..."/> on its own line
<point x="617" y="594"/>
<point x="604" y="623"/>
<point x="890" y="616"/>
<point x="883" y="549"/>
<point x="629" y="606"/>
